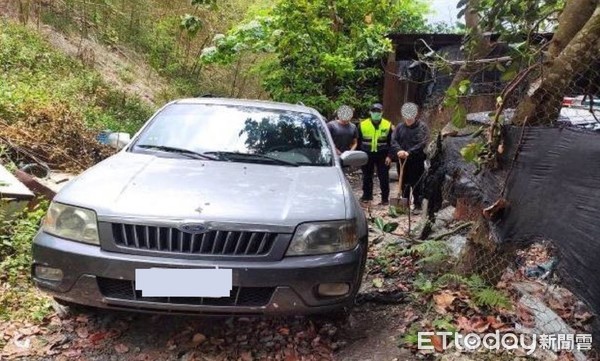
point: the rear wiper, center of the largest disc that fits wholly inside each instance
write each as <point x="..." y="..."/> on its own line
<point x="186" y="152"/>
<point x="249" y="156"/>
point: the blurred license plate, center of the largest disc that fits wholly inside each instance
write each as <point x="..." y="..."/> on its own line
<point x="173" y="282"/>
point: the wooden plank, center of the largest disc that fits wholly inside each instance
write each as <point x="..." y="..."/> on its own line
<point x="11" y="187"/>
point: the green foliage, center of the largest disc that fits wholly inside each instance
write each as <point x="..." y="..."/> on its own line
<point x="18" y="299"/>
<point x="512" y="18"/>
<point x="452" y="100"/>
<point x="424" y="285"/>
<point x="386" y="227"/>
<point x="472" y="152"/>
<point x="29" y="68"/>
<point x="204" y="2"/>
<point x="482" y="293"/>
<point x="411" y="337"/>
<point x="318" y="53"/>
<point x="444" y="324"/>
<point x="451" y="279"/>
<point x="430" y="252"/>
<point x="492" y="298"/>
<point x="190" y="23"/>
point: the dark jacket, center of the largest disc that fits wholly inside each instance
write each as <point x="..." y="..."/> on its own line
<point x="412" y="139"/>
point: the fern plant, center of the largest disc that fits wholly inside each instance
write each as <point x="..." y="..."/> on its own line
<point x="483" y="294"/>
<point x="491" y="298"/>
<point x="444" y="324"/>
<point x="433" y="253"/>
<point x="411" y="337"/>
<point x="424" y="285"/>
<point x="451" y="279"/>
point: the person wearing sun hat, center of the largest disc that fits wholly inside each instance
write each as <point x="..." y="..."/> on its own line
<point x="409" y="140"/>
<point x="374" y="138"/>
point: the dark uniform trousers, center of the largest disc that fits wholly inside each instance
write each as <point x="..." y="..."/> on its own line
<point x="412" y="178"/>
<point x="376" y="161"/>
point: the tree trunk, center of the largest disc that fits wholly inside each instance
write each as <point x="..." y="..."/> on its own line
<point x="543" y="101"/>
<point x="479" y="45"/>
<point x="574" y="15"/>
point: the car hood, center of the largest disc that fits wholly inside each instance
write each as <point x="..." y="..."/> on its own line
<point x="147" y="186"/>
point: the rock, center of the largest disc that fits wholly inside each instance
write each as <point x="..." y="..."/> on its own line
<point x="457" y="244"/>
<point x="386" y="239"/>
<point x="546" y="321"/>
<point x="444" y="216"/>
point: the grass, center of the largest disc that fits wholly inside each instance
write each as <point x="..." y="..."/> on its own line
<point x="19" y="300"/>
<point x="34" y="76"/>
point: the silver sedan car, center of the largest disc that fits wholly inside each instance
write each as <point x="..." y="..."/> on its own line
<point x="216" y="206"/>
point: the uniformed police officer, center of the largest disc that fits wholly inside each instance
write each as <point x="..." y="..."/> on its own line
<point x="374" y="137"/>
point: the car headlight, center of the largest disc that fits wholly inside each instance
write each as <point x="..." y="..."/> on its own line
<point x="72" y="223"/>
<point x="323" y="237"/>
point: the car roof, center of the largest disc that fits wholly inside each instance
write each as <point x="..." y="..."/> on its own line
<point x="249" y="103"/>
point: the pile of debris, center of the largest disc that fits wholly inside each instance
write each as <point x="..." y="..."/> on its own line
<point x="55" y="137"/>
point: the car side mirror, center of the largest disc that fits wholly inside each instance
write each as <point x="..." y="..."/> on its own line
<point x="354" y="158"/>
<point x="119" y="140"/>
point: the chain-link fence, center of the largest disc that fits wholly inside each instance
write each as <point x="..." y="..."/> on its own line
<point x="521" y="169"/>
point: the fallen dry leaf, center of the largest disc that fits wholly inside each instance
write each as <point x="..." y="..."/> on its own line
<point x="479" y="324"/>
<point x="402" y="287"/>
<point x="97" y="337"/>
<point x="75" y="352"/>
<point x="436" y="341"/>
<point x="82" y="319"/>
<point x="443" y="301"/>
<point x="378" y="282"/>
<point x="198" y="339"/>
<point x="495" y="323"/>
<point x="82" y="332"/>
<point x="583" y="317"/>
<point x="121" y="348"/>
<point x="246" y="356"/>
<point x="462" y="323"/>
<point x="291" y="357"/>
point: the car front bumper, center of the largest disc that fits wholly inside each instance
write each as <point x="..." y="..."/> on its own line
<point x="94" y="277"/>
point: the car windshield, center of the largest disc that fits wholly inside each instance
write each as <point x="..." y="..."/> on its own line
<point x="237" y="133"/>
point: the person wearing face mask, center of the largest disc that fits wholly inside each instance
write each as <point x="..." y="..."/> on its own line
<point x="374" y="138"/>
<point x="343" y="133"/>
<point x="409" y="140"/>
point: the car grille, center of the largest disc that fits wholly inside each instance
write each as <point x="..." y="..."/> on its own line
<point x="172" y="240"/>
<point x="240" y="296"/>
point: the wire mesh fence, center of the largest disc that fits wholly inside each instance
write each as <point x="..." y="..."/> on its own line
<point x="494" y="95"/>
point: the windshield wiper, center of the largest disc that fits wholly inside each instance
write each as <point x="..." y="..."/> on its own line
<point x="185" y="152"/>
<point x="250" y="156"/>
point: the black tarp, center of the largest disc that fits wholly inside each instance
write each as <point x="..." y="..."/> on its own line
<point x="553" y="192"/>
